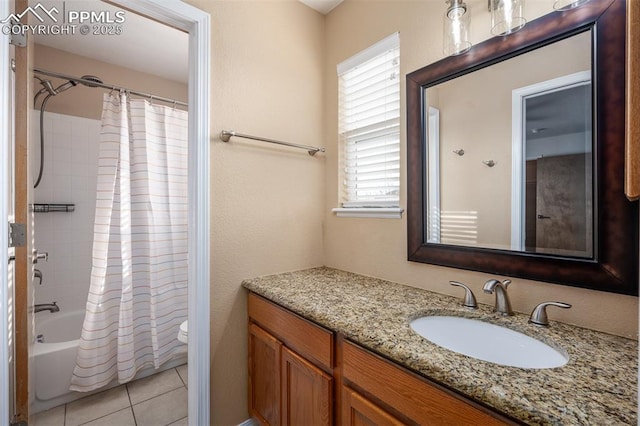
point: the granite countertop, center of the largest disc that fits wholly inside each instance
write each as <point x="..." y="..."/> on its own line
<point x="597" y="386"/>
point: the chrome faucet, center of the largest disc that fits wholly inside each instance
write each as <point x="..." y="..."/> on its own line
<point x="51" y="307"/>
<point x="503" y="306"/>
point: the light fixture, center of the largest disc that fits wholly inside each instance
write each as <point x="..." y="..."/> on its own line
<point x="457" y="20"/>
<point x="507" y="16"/>
<point x="568" y="4"/>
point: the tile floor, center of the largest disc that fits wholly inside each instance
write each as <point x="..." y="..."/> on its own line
<point x="158" y="400"/>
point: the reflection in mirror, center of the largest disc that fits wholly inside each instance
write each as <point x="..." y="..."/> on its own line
<point x="531" y="116"/>
<point x="556" y="207"/>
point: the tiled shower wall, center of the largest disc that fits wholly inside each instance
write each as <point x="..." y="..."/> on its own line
<point x="70" y="169"/>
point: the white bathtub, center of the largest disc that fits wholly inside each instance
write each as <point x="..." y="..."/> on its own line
<point x="55" y="358"/>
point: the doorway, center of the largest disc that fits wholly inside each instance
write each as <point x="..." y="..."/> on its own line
<point x="196" y="23"/>
<point x="552" y="194"/>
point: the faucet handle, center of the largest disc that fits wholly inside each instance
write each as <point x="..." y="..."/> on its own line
<point x="469" y="298"/>
<point x="37" y="274"/>
<point x="506" y="283"/>
<point x="539" y="313"/>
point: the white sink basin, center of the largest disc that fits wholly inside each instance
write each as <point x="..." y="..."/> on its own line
<point x="488" y="342"/>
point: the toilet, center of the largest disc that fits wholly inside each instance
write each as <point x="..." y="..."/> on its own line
<point x="183" y="332"/>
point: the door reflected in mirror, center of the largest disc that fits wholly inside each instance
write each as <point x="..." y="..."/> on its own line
<point x="525" y="179"/>
<point x="558" y="205"/>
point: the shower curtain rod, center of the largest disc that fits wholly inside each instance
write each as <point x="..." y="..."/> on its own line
<point x="92" y="83"/>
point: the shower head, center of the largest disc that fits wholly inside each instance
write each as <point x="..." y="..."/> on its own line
<point x="49" y="90"/>
<point x="91" y="78"/>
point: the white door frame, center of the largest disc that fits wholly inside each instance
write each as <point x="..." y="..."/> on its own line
<point x="197" y="23"/>
<point x="518" y="139"/>
<point x="433" y="178"/>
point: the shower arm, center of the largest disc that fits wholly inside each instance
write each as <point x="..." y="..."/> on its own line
<point x="40" y="92"/>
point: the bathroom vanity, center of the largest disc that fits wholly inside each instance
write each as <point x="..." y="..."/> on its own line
<point x="332" y="347"/>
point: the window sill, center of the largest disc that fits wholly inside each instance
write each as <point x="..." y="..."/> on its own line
<point x="371" y="212"/>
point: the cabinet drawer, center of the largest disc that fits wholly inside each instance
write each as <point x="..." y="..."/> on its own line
<point x="304" y="337"/>
<point x="409" y="394"/>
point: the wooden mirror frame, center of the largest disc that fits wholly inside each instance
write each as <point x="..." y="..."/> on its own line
<point x="614" y="267"/>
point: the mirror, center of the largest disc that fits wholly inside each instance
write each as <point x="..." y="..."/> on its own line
<point x="515" y="156"/>
<point x="513" y="150"/>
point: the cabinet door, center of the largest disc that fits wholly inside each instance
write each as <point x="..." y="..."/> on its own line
<point x="306" y="392"/>
<point x="358" y="411"/>
<point x="419" y="400"/>
<point x="264" y="376"/>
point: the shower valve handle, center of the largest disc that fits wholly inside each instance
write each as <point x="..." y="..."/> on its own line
<point x="37" y="256"/>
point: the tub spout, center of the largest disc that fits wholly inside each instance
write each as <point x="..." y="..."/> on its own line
<point x="51" y="307"/>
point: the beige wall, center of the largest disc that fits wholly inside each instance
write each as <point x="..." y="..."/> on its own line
<point x="267" y="202"/>
<point x="82" y="101"/>
<point x="378" y="247"/>
<point x="475" y="115"/>
<point x="273" y="75"/>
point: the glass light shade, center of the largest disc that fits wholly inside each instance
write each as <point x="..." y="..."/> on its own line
<point x="568" y="4"/>
<point x="507" y="16"/>
<point x="457" y="22"/>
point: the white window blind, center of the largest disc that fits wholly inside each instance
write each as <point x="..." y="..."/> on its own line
<point x="369" y="125"/>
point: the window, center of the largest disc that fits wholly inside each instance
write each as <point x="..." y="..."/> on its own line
<point x="369" y="128"/>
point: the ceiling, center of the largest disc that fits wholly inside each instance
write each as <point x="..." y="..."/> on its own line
<point x="143" y="45"/>
<point x="322" y="6"/>
<point x="559" y="113"/>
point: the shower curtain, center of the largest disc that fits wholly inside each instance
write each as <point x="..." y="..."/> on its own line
<point x="138" y="291"/>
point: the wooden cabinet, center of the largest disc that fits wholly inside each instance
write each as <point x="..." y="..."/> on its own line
<point x="290" y="367"/>
<point x="296" y="368"/>
<point x="410" y="397"/>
